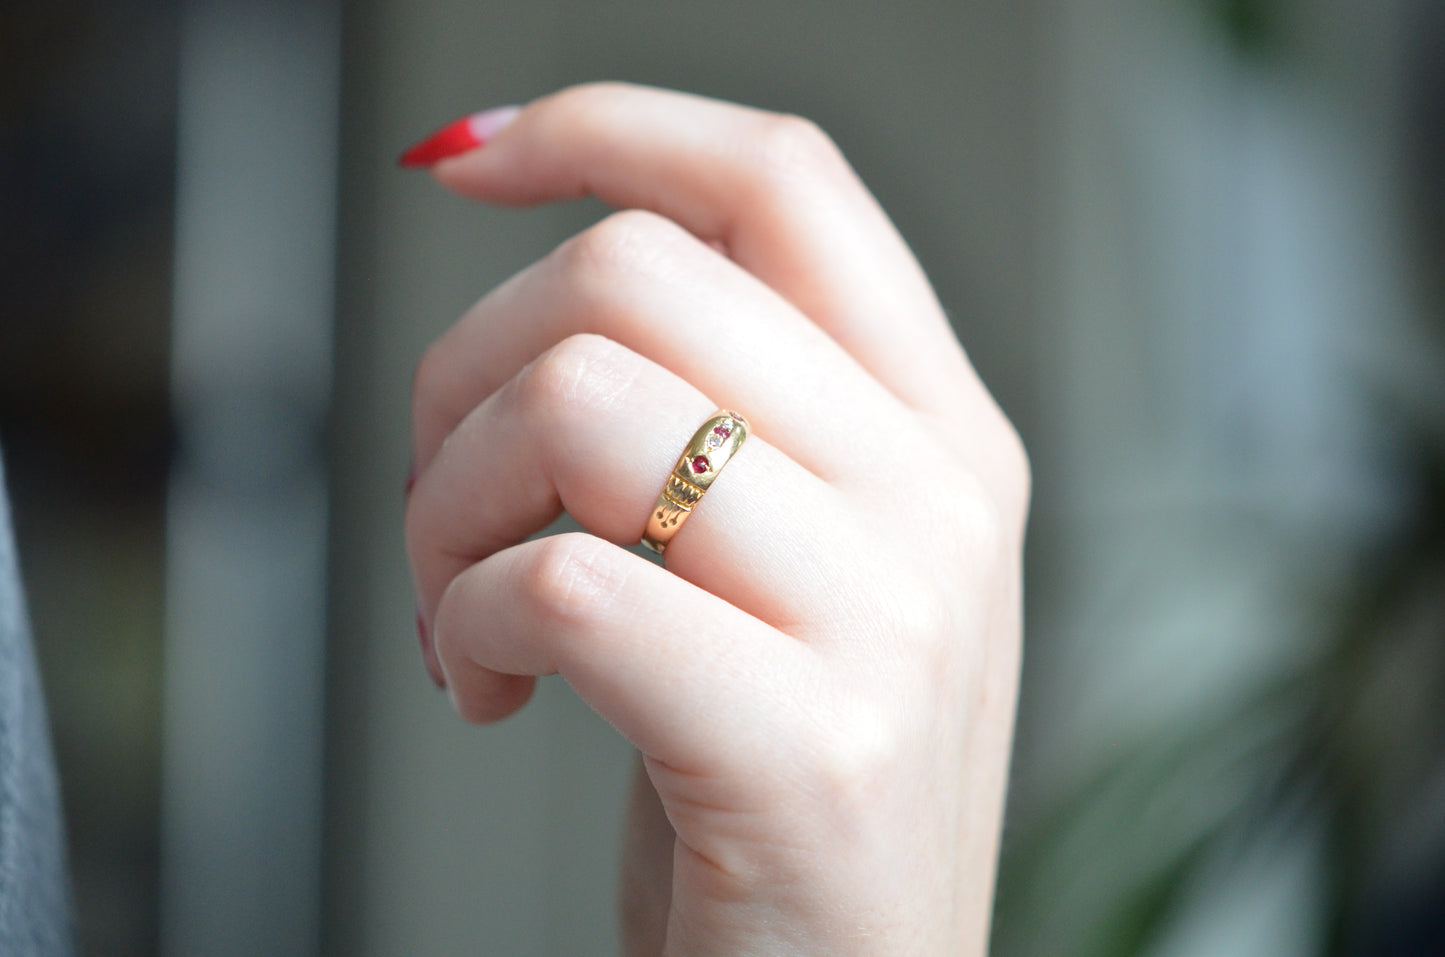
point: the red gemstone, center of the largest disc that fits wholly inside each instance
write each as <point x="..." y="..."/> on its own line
<point x="722" y="430"/>
<point x="699" y="464"/>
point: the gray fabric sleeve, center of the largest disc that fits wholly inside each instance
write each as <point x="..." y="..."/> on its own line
<point x="35" y="907"/>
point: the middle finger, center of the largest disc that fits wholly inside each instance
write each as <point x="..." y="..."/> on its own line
<point x="646" y="283"/>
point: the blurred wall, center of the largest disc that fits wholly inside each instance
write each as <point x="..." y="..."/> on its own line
<point x="87" y="141"/>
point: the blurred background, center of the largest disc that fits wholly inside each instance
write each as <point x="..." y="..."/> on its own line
<point x="1196" y="248"/>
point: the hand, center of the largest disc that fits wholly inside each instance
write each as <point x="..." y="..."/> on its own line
<point x="821" y="681"/>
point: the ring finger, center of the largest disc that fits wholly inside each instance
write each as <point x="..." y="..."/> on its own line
<point x="593" y="428"/>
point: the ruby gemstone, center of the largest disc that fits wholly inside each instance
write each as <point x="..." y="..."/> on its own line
<point x="699" y="464"/>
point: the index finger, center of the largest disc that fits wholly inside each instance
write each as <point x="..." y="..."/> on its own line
<point x="772" y="189"/>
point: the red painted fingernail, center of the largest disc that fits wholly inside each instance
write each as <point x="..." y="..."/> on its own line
<point x="428" y="654"/>
<point x="462" y="136"/>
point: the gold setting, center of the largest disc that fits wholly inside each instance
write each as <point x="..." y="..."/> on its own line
<point x="714" y="443"/>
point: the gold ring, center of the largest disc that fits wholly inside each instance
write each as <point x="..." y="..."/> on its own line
<point x="712" y="446"/>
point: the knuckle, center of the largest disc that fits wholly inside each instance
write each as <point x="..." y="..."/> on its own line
<point x="855" y="762"/>
<point x="1019" y="473"/>
<point x="980" y="524"/>
<point x="971" y="534"/>
<point x="987" y="501"/>
<point x="918" y="610"/>
<point x="576" y="377"/>
<point x="565" y="582"/>
<point x="1006" y="477"/>
<point x="625" y="244"/>
<point x="790" y="149"/>
<point x="581" y="104"/>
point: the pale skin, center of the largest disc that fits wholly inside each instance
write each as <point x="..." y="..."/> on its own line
<point x="821" y="681"/>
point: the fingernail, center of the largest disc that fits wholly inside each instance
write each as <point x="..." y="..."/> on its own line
<point x="464" y="135"/>
<point x="428" y="654"/>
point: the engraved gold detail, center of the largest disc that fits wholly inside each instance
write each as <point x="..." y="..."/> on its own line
<point x="682" y="493"/>
<point x="714" y="443"/>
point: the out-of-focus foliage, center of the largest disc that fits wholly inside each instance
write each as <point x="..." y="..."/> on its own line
<point x="1254" y="26"/>
<point x="1343" y="754"/>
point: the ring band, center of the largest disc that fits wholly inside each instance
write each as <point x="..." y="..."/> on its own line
<point x="712" y="446"/>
